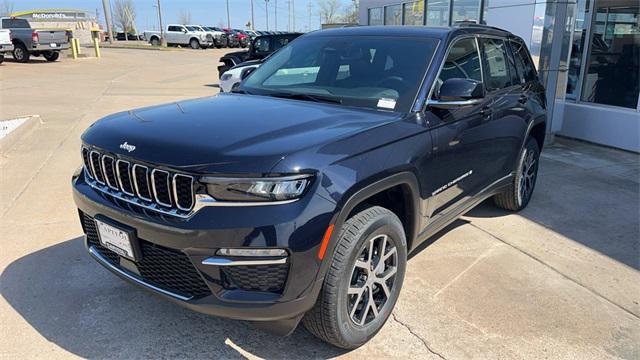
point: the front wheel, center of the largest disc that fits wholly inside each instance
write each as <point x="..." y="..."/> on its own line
<point x="517" y="196"/>
<point x="364" y="279"/>
<point x="195" y="44"/>
<point x="51" y="55"/>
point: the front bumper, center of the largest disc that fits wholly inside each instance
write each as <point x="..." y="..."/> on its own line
<point x="297" y="227"/>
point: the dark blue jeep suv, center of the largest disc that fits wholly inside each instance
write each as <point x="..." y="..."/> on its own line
<point x="298" y="196"/>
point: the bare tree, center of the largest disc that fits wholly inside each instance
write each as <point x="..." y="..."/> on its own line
<point x="329" y="10"/>
<point x="350" y="14"/>
<point x="7" y="7"/>
<point x="184" y="17"/>
<point x="124" y="13"/>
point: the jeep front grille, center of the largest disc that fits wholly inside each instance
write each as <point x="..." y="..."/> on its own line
<point x="165" y="191"/>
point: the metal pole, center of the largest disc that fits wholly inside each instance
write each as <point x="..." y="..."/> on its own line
<point x="266" y="11"/>
<point x="163" y="41"/>
<point x="107" y="18"/>
<point x="276" y="14"/>
<point x="293" y="15"/>
<point x="309" y="8"/>
<point x="228" y="18"/>
<point x="253" y="27"/>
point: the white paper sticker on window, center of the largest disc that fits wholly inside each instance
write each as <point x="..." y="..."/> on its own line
<point x="387" y="103"/>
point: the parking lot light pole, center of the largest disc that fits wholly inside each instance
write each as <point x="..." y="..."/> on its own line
<point x="163" y="41"/>
<point x="107" y="17"/>
<point x="266" y="11"/>
<point x="228" y="18"/>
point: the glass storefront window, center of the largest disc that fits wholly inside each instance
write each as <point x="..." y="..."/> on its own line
<point x="438" y="12"/>
<point x="583" y="16"/>
<point x="376" y="16"/>
<point x="613" y="72"/>
<point x="413" y="13"/>
<point x="393" y="15"/>
<point x="465" y="10"/>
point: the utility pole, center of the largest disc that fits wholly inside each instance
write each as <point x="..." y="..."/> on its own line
<point x="293" y="15"/>
<point x="228" y="18"/>
<point x="253" y="27"/>
<point x="276" y="14"/>
<point x="309" y="7"/>
<point x="266" y="11"/>
<point x="163" y="41"/>
<point x="289" y="15"/>
<point x="107" y="18"/>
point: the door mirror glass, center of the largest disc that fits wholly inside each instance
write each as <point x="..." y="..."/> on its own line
<point x="246" y="72"/>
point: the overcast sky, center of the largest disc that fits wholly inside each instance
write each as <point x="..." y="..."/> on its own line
<point x="203" y="12"/>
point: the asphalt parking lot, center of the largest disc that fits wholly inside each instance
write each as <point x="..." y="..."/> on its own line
<point x="561" y="279"/>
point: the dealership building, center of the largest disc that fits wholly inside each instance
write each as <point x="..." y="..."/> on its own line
<point x="587" y="53"/>
<point x="79" y="21"/>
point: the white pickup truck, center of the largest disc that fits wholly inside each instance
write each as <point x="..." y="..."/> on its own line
<point x="181" y="35"/>
<point x="6" y="46"/>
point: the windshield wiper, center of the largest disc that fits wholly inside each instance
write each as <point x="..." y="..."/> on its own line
<point x="307" y="97"/>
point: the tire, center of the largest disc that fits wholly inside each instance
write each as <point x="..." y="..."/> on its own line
<point x="520" y="191"/>
<point x="155" y="41"/>
<point x="345" y="319"/>
<point x="51" y="55"/>
<point x="194" y="43"/>
<point x="20" y="53"/>
<point x="1" y="58"/>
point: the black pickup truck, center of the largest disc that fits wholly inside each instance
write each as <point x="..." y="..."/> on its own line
<point x="298" y="196"/>
<point x="260" y="48"/>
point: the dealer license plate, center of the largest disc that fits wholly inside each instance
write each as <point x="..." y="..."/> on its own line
<point x="115" y="239"/>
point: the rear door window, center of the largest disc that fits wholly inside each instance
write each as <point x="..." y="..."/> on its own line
<point x="523" y="61"/>
<point x="496" y="65"/>
<point x="15" y="24"/>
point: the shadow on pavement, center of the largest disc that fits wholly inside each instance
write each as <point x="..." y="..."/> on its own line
<point x="78" y="305"/>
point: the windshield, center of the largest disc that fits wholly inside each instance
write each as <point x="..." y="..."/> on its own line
<point x="365" y="71"/>
<point x="192" y="28"/>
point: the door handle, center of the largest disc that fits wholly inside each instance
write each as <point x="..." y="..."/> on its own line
<point x="485" y="111"/>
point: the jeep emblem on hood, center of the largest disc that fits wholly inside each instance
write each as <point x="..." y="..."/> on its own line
<point x="125" y="146"/>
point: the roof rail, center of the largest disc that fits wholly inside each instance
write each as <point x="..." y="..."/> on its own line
<point x="468" y="23"/>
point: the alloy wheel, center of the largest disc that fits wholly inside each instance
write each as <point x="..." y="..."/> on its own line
<point x="527" y="176"/>
<point x="372" y="279"/>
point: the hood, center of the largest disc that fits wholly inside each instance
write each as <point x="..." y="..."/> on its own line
<point x="228" y="132"/>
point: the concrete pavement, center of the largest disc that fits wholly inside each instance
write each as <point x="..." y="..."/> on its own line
<point x="558" y="280"/>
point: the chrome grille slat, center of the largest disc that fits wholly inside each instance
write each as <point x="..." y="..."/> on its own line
<point x="137" y="177"/>
<point x="180" y="200"/>
<point x="87" y="162"/>
<point x="161" y="194"/>
<point x="124" y="177"/>
<point x="94" y="156"/>
<point x="163" y="191"/>
<point x="108" y="170"/>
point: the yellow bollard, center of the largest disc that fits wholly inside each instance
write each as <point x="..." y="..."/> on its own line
<point x="96" y="46"/>
<point x="78" y="46"/>
<point x="74" y="52"/>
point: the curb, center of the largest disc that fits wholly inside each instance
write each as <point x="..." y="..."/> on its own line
<point x="10" y="140"/>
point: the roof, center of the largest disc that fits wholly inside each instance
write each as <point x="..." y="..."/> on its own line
<point x="411" y="31"/>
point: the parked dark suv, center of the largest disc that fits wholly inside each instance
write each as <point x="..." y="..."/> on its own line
<point x="259" y="48"/>
<point x="299" y="196"/>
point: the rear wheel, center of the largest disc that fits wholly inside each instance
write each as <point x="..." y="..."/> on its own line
<point x="363" y="282"/>
<point x="51" y="55"/>
<point x="20" y="53"/>
<point x="195" y="44"/>
<point x="155" y="42"/>
<point x="517" y="196"/>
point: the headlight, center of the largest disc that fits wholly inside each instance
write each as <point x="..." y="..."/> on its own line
<point x="257" y="189"/>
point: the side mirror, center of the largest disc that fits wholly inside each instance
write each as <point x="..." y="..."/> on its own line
<point x="246" y="72"/>
<point x="458" y="92"/>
